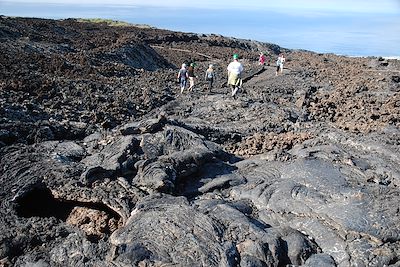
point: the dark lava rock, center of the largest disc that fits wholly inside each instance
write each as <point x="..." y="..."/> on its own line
<point x="104" y="163"/>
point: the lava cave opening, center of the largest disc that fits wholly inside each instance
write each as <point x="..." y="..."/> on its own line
<point x="39" y="202"/>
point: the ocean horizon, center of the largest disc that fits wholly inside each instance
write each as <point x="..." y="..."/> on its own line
<point x="349" y="34"/>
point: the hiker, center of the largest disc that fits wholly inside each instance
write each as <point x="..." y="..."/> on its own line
<point x="261" y="59"/>
<point x="191" y="76"/>
<point x="267" y="57"/>
<point x="182" y="77"/>
<point x="210" y="77"/>
<point x="235" y="69"/>
<point x="279" y="64"/>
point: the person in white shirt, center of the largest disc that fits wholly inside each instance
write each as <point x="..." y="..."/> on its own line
<point x="235" y="69"/>
<point x="182" y="77"/>
<point x="279" y="64"/>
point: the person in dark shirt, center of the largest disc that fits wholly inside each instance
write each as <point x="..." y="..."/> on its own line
<point x="191" y="76"/>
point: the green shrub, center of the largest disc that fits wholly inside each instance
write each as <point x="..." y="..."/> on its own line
<point x="111" y="22"/>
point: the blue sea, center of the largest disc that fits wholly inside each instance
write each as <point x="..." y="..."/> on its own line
<point x="351" y="34"/>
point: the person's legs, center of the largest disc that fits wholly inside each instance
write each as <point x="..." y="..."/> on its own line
<point x="235" y="88"/>
<point x="183" y="85"/>
<point x="281" y="68"/>
<point x="191" y="83"/>
<point x="238" y="84"/>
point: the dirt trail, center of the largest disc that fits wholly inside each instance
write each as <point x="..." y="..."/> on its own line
<point x="268" y="76"/>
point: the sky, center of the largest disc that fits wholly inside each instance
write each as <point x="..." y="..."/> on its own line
<point x="362" y="6"/>
<point x="347" y="27"/>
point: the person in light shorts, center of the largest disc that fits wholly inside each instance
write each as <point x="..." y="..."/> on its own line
<point x="235" y="69"/>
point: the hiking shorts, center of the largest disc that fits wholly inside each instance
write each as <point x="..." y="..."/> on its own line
<point x="234" y="79"/>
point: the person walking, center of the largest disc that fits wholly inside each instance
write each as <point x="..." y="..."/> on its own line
<point x="191" y="76"/>
<point x="210" y="77"/>
<point x="182" y="77"/>
<point x="261" y="59"/>
<point x="235" y="69"/>
<point x="279" y="64"/>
